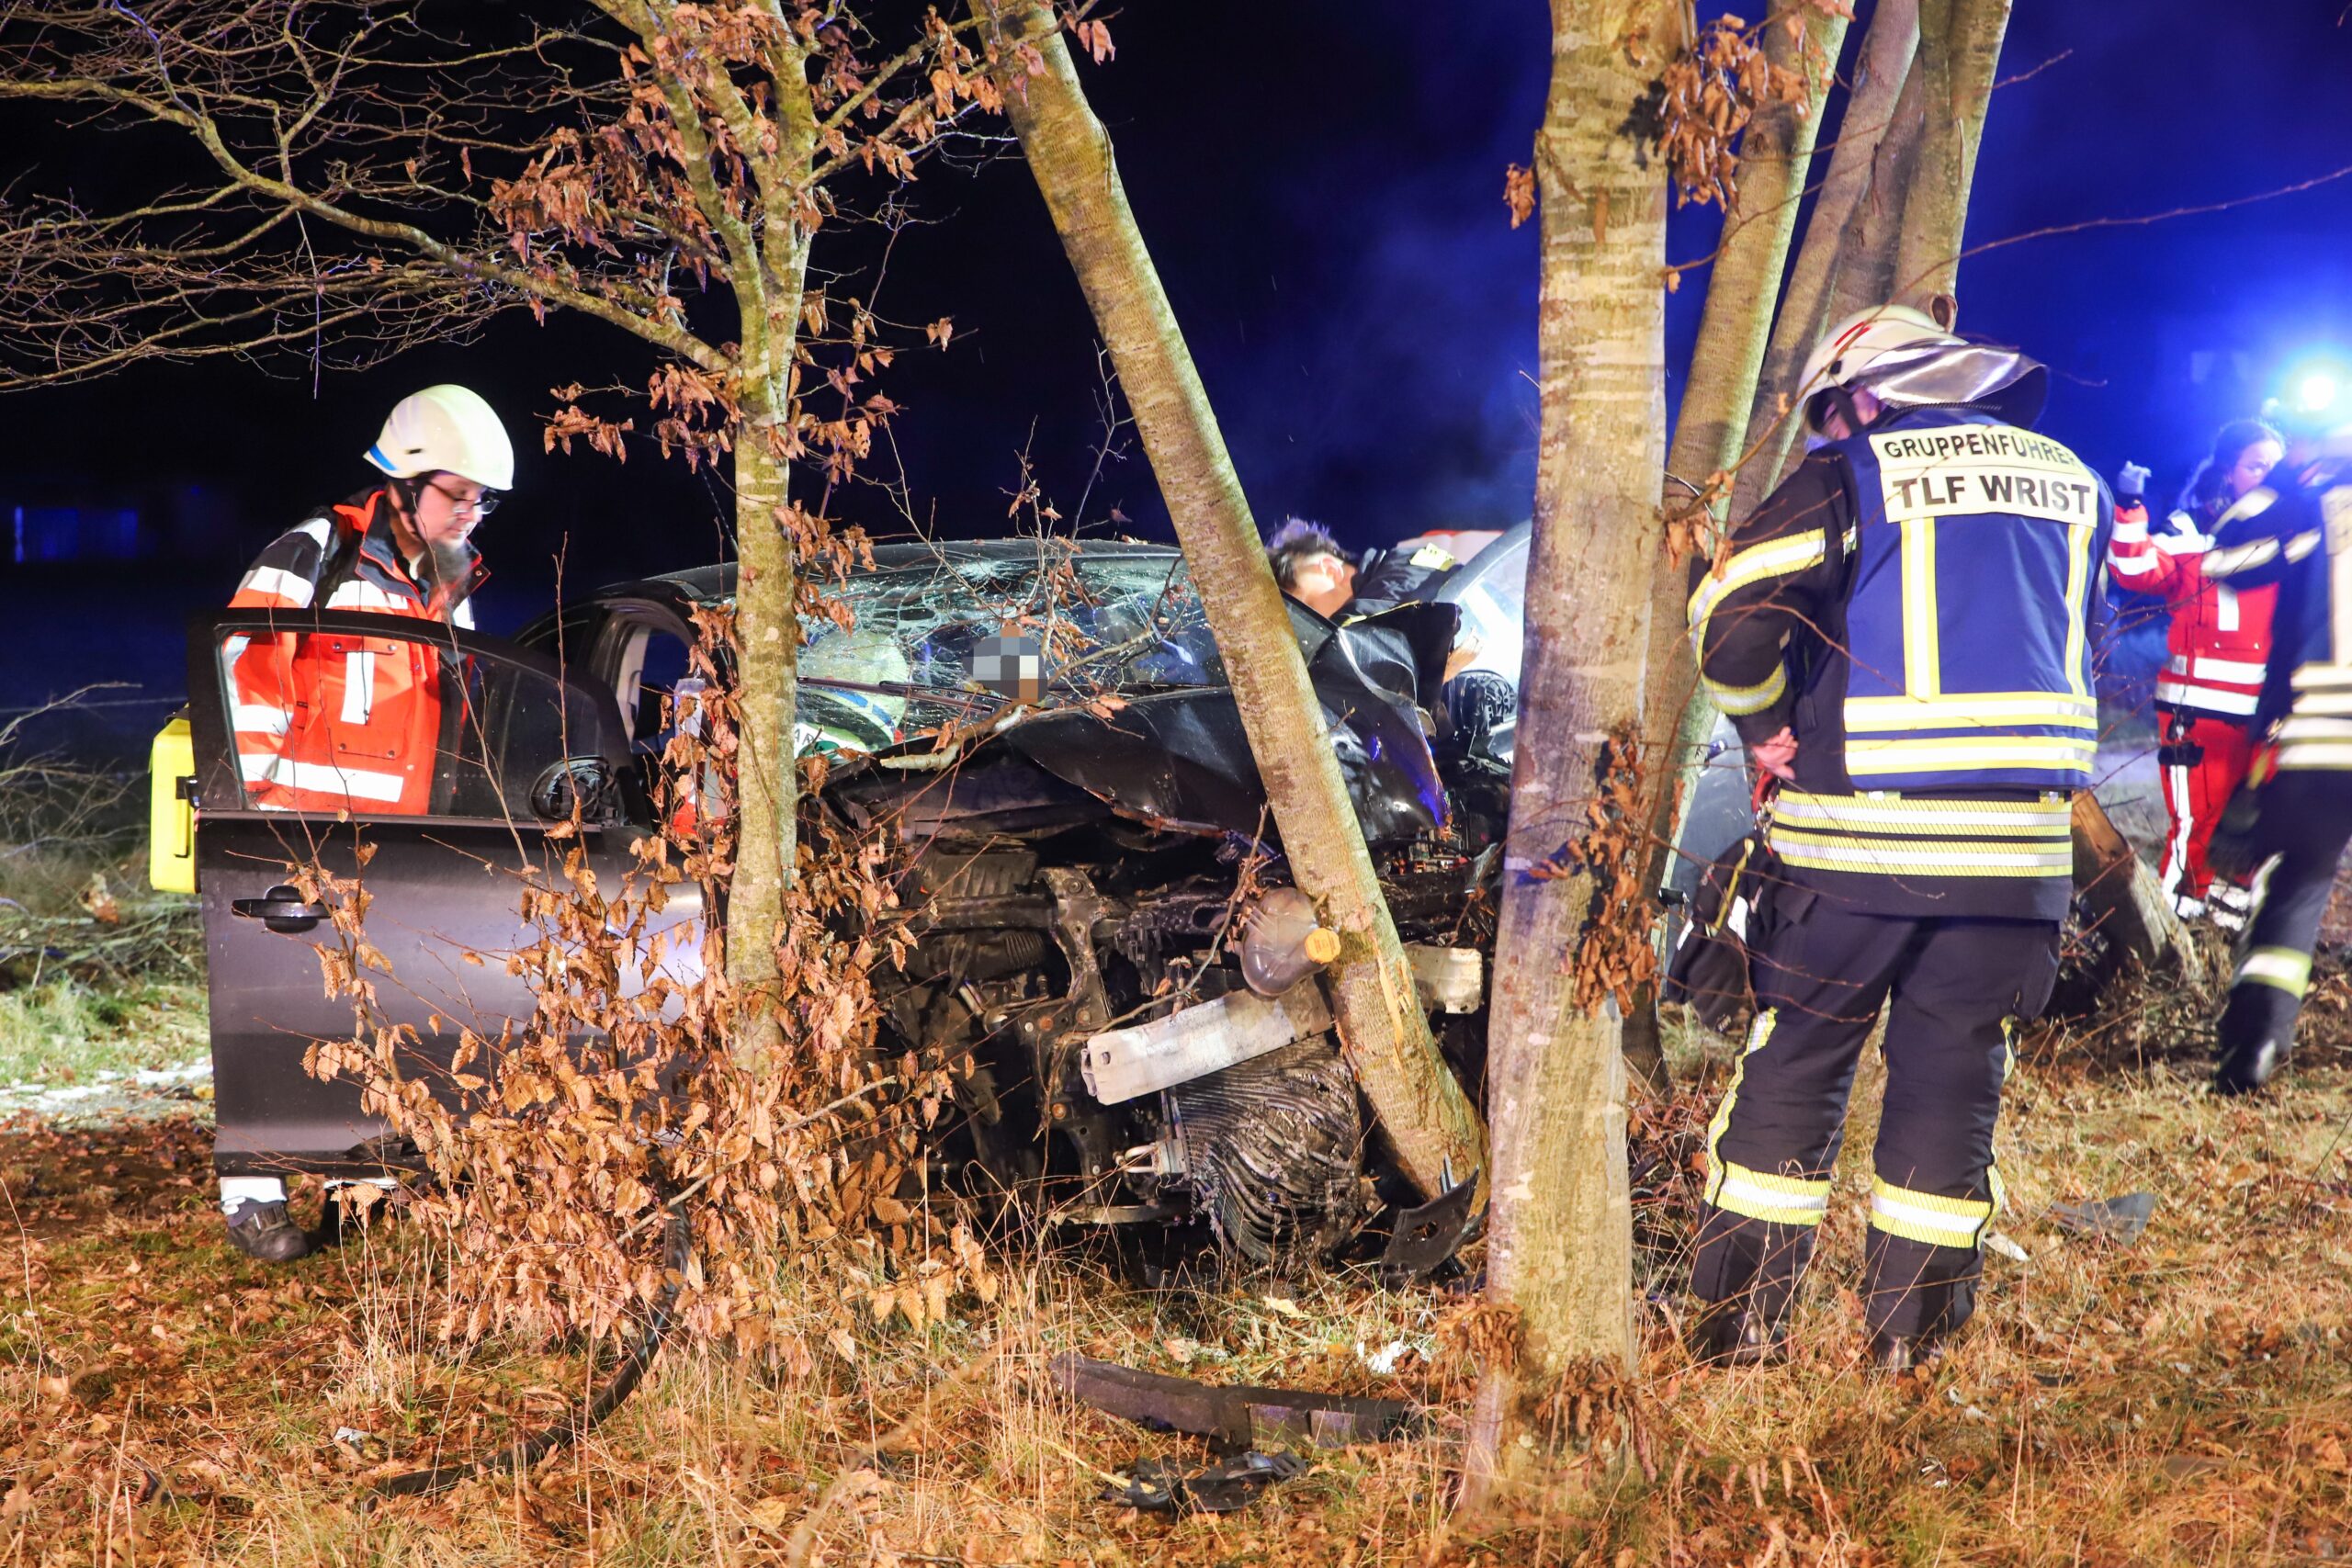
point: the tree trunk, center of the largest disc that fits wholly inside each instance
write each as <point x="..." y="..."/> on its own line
<point x="1866" y="266"/>
<point x="1959" y="45"/>
<point x="1879" y="75"/>
<point x="1382" y="1030"/>
<point x="2123" y="900"/>
<point x="768" y="645"/>
<point x="768" y="625"/>
<point x="1559" y="1250"/>
<point x="1711" y="432"/>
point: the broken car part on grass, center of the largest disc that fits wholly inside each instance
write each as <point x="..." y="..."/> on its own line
<point x="1235" y="1417"/>
<point x="1225" y="1487"/>
<point x="2119" y="1220"/>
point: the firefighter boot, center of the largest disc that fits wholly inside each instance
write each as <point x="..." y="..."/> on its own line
<point x="1735" y="1334"/>
<point x="1899" y="1355"/>
<point x="2250" y="1064"/>
<point x="267" y="1232"/>
<point x="2258" y="1027"/>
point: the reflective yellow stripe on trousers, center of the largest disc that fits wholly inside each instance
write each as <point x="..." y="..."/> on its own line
<point x="1759" y="1194"/>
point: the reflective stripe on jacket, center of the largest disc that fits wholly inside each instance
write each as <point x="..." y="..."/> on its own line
<point x="331" y="721"/>
<point x="2219" y="637"/>
<point x="1913" y="604"/>
<point x="2298" y="536"/>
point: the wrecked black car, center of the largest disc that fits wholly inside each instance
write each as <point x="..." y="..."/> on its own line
<point x="1045" y="731"/>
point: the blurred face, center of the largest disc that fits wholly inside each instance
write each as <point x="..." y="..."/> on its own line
<point x="1323" y="583"/>
<point x="2254" y="465"/>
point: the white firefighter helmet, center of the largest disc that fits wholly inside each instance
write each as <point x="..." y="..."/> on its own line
<point x="1908" y="359"/>
<point x="861" y="713"/>
<point x="1845" y="354"/>
<point x="445" y="429"/>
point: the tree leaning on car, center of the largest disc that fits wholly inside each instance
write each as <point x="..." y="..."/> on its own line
<point x="1382" y="1027"/>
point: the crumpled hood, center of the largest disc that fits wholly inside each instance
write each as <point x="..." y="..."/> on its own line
<point x="1182" y="758"/>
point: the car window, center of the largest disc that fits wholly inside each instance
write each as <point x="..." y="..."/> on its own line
<point x="655" y="664"/>
<point x="397" y="724"/>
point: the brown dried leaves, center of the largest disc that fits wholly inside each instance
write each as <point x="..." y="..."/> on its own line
<point x="1711" y="92"/>
<point x="1614" y="957"/>
<point x="1519" y="193"/>
<point x="631" y="1091"/>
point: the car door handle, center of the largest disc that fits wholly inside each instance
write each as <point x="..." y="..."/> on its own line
<point x="281" y="910"/>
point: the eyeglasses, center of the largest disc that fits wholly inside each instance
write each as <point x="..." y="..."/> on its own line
<point x="482" y="503"/>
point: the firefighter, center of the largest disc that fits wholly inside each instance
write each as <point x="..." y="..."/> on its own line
<point x="330" y="722"/>
<point x="2217" y="642"/>
<point x="2295" y="817"/>
<point x="1900" y="635"/>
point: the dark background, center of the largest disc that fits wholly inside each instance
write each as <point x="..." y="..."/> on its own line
<point x="1321" y="186"/>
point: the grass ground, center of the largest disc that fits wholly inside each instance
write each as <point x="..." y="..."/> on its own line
<point x="66" y="1031"/>
<point x="2187" y="1399"/>
<point x="163" y="1400"/>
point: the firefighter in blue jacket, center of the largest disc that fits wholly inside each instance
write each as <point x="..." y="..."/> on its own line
<point x="1900" y="633"/>
<point x="2294" y="816"/>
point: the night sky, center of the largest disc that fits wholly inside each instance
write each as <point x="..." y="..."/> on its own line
<point x="1321" y="184"/>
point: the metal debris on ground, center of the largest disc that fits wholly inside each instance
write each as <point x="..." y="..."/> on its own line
<point x="1224" y="1487"/>
<point x="1237" y="1417"/>
<point x="1426" y="1237"/>
<point x="2119" y="1220"/>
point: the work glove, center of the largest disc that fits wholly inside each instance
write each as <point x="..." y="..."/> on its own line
<point x="2131" y="483"/>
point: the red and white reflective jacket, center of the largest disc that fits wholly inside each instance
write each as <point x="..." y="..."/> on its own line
<point x="329" y="721"/>
<point x="2220" y="636"/>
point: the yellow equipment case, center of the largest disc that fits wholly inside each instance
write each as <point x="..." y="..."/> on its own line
<point x="171" y="808"/>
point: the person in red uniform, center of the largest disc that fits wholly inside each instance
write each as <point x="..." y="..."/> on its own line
<point x="2217" y="642"/>
<point x="332" y="722"/>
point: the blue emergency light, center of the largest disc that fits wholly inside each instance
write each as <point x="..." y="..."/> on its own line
<point x="2315" y="385"/>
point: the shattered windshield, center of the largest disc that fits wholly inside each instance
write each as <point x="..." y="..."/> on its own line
<point x="943" y="633"/>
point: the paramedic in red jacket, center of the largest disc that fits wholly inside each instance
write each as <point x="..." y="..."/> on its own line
<point x="2218" y="640"/>
<point x="330" y="722"/>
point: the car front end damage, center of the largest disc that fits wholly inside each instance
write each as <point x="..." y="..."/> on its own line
<point x="1112" y="955"/>
<point x="1109" y="952"/>
<point x="1116" y="1066"/>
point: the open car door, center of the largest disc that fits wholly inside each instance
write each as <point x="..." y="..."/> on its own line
<point x="495" y="747"/>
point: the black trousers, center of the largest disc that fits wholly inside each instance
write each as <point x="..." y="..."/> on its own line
<point x="2305" y="823"/>
<point x="1955" y="990"/>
